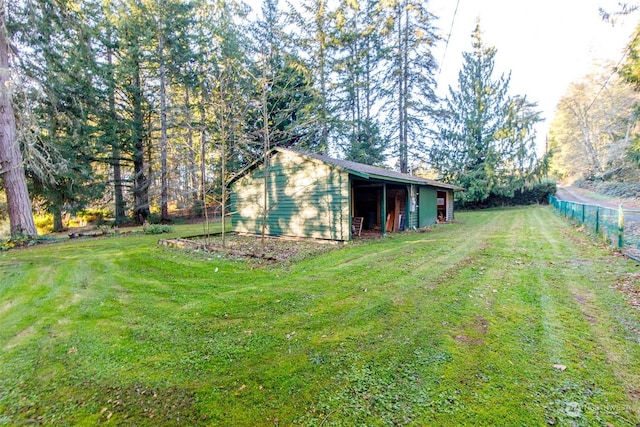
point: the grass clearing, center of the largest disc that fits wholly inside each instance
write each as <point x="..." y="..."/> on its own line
<point x="458" y="326"/>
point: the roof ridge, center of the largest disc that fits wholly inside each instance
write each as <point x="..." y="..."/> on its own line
<point x="370" y="169"/>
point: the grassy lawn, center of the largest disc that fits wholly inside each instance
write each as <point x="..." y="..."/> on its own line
<point x="459" y="326"/>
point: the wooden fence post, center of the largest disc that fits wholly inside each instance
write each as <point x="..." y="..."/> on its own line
<point x="620" y="227"/>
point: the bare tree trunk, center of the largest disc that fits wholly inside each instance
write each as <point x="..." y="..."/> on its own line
<point x="404" y="161"/>
<point x="202" y="190"/>
<point x="223" y="179"/>
<point x="11" y="166"/>
<point x="325" y="117"/>
<point x="322" y="73"/>
<point x="57" y="220"/>
<point x="164" y="173"/>
<point x="192" y="179"/>
<point x="141" y="183"/>
<point x="401" y="119"/>
<point x="265" y="119"/>
<point x="203" y="139"/>
<point x="117" y="187"/>
<point x="120" y="217"/>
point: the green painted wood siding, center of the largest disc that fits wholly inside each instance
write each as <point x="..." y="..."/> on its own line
<point x="306" y="198"/>
<point x="428" y="206"/>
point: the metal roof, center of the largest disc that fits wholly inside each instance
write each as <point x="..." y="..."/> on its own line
<point x="359" y="169"/>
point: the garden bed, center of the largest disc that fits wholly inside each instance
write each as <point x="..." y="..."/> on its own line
<point x="236" y="246"/>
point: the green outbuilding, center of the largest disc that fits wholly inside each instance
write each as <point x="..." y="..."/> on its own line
<point x="311" y="195"/>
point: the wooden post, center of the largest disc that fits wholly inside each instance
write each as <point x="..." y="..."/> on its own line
<point x="620" y="227"/>
<point x="383" y="214"/>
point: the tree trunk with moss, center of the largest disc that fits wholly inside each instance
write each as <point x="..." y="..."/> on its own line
<point x="11" y="165"/>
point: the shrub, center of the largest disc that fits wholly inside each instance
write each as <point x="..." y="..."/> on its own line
<point x="44" y="223"/>
<point x="197" y="208"/>
<point x="23" y="240"/>
<point x="5" y="229"/>
<point x="4" y="209"/>
<point x="154" y="218"/>
<point x="92" y="216"/>
<point x="157" y="229"/>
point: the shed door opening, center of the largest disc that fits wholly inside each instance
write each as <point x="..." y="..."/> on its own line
<point x="396" y="208"/>
<point x="366" y="204"/>
<point x="442" y="206"/>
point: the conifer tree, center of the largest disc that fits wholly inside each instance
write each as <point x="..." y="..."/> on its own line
<point x="314" y="35"/>
<point x="11" y="166"/>
<point x="357" y="66"/>
<point x="111" y="123"/>
<point x="133" y="53"/>
<point x="58" y="63"/>
<point x="290" y="96"/>
<point x="484" y="136"/>
<point x="409" y="82"/>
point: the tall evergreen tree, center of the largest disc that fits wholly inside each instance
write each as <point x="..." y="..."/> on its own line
<point x="58" y="61"/>
<point x="290" y="96"/>
<point x="146" y="55"/>
<point x="366" y="145"/>
<point x="357" y="67"/>
<point x="484" y="135"/>
<point x="134" y="36"/>
<point x="170" y="49"/>
<point x="11" y="166"/>
<point x="314" y="35"/>
<point x="111" y="124"/>
<point x="409" y="81"/>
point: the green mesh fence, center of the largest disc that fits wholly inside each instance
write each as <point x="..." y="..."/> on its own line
<point x="632" y="232"/>
<point x="606" y="223"/>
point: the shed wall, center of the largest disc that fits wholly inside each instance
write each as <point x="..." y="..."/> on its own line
<point x="306" y="198"/>
<point x="412" y="207"/>
<point x="428" y="206"/>
<point x="450" y="202"/>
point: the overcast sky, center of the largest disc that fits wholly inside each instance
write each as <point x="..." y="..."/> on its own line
<point x="546" y="44"/>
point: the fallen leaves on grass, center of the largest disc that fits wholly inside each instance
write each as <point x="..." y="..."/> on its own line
<point x="166" y="406"/>
<point x="628" y="285"/>
<point x="277" y="250"/>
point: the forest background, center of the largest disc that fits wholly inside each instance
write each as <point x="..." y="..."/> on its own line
<point x="134" y="108"/>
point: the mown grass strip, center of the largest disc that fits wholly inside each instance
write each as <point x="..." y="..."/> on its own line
<point x="457" y="326"/>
